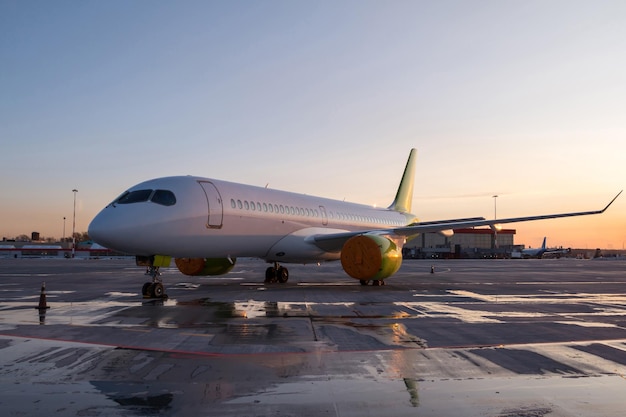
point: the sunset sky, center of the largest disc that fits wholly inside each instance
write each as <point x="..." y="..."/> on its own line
<point x="521" y="99"/>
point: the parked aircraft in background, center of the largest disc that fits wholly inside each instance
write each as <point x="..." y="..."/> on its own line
<point x="205" y="224"/>
<point x="539" y="252"/>
<point x="535" y="252"/>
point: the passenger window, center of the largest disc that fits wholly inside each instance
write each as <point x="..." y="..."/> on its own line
<point x="239" y="204"/>
<point x="246" y="204"/>
<point x="164" y="198"/>
<point x="258" y="206"/>
<point x="138" y="196"/>
<point x="265" y="207"/>
<point x="232" y="203"/>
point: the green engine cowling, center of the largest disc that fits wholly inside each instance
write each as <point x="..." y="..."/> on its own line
<point x="204" y="266"/>
<point x="370" y="257"/>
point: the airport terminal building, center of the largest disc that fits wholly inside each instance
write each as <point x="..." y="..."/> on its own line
<point x="34" y="249"/>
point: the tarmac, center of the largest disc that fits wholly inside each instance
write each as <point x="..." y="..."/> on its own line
<point x="501" y="338"/>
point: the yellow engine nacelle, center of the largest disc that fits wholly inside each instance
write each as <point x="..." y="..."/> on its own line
<point x="367" y="257"/>
<point x="204" y="266"/>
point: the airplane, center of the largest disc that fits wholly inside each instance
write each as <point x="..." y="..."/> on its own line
<point x="539" y="252"/>
<point x="535" y="252"/>
<point x="206" y="224"/>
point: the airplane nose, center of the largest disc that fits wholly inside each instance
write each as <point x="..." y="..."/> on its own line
<point x="109" y="230"/>
<point x="122" y="230"/>
<point x="97" y="230"/>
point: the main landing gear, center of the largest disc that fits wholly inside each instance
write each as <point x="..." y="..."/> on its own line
<point x="276" y="273"/>
<point x="375" y="282"/>
<point x="155" y="288"/>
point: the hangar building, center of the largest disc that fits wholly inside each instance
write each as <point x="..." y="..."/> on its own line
<point x="464" y="243"/>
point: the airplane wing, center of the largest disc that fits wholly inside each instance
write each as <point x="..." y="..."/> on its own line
<point x="334" y="242"/>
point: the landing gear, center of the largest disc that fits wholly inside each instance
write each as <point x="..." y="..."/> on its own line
<point x="375" y="282"/>
<point x="155" y="288"/>
<point x="276" y="273"/>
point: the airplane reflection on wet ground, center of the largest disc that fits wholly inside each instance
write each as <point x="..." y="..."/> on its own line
<point x="484" y="338"/>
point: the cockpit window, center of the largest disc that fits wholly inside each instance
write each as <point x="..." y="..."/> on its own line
<point x="137" y="196"/>
<point x="164" y="197"/>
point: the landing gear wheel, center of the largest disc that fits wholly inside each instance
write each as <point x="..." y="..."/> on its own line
<point x="145" y="290"/>
<point x="270" y="275"/>
<point x="378" y="282"/>
<point x="282" y="274"/>
<point x="276" y="273"/>
<point x="363" y="281"/>
<point x="157" y="290"/>
<point x="153" y="289"/>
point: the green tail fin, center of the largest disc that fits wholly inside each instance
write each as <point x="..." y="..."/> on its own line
<point x="404" y="196"/>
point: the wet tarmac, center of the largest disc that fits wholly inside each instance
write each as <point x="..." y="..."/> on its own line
<point x="502" y="338"/>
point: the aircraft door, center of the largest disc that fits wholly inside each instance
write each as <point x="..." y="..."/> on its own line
<point x="215" y="214"/>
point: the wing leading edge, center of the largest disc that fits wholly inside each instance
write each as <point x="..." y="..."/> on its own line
<point x="334" y="242"/>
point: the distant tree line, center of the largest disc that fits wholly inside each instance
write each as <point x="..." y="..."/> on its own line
<point x="80" y="237"/>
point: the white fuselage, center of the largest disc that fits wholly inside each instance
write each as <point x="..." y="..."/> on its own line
<point x="216" y="219"/>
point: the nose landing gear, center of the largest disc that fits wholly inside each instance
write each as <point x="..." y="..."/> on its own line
<point x="155" y="288"/>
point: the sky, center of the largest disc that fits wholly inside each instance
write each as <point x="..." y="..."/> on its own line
<point x="521" y="99"/>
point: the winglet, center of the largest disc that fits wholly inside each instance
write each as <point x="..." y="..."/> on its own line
<point x="404" y="196"/>
<point x="611" y="202"/>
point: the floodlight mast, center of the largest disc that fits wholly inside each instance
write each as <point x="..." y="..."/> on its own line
<point x="74" y="225"/>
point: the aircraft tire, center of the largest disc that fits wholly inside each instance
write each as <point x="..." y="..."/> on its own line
<point x="157" y="290"/>
<point x="145" y="290"/>
<point x="270" y="275"/>
<point x="282" y="274"/>
<point x="363" y="281"/>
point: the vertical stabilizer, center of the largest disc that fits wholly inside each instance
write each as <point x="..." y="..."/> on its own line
<point x="543" y="245"/>
<point x="404" y="196"/>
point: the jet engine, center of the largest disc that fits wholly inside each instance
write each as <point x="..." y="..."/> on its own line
<point x="204" y="266"/>
<point x="370" y="257"/>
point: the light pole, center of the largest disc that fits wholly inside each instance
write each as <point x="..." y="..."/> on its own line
<point x="63" y="238"/>
<point x="495" y="207"/>
<point x="495" y="217"/>
<point x="74" y="225"/>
